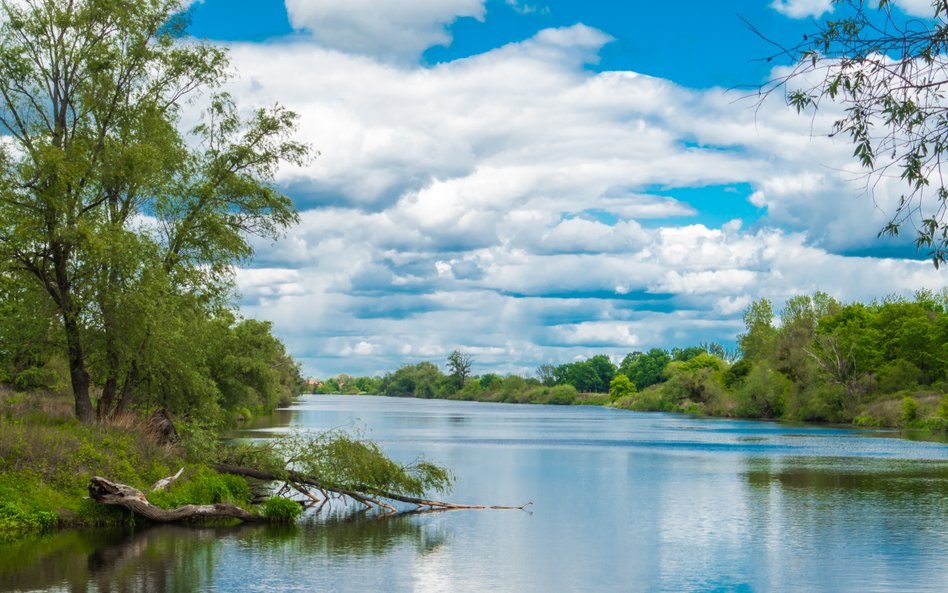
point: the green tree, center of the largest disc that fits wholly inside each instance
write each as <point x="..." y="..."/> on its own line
<point x="847" y="349"/>
<point x="645" y="369"/>
<point x="459" y="367"/>
<point x="620" y="386"/>
<point x="546" y="374"/>
<point x="699" y="379"/>
<point x="421" y="380"/>
<point x="799" y="319"/>
<point x="888" y="72"/>
<point x="90" y="95"/>
<point x="758" y="341"/>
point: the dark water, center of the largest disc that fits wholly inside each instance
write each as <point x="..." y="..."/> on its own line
<point x="621" y="502"/>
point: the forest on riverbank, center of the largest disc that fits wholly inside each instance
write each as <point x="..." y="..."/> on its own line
<point x="883" y="363"/>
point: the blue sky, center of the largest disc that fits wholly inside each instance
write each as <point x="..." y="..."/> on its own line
<point x="536" y="182"/>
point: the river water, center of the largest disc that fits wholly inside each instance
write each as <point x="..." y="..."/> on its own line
<point x="622" y="502"/>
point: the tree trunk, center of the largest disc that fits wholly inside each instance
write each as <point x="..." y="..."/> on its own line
<point x="107" y="492"/>
<point x="77" y="370"/>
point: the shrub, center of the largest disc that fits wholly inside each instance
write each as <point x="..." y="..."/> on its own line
<point x="620" y="386"/>
<point x="909" y="410"/>
<point x="279" y="509"/>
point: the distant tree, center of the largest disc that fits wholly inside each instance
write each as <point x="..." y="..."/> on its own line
<point x="620" y="386"/>
<point x="847" y="348"/>
<point x="685" y="354"/>
<point x="605" y="371"/>
<point x="758" y="341"/>
<point x="645" y="369"/>
<point x="491" y="381"/>
<point x="421" y="380"/>
<point x="368" y="385"/>
<point x="546" y="374"/>
<point x="592" y="375"/>
<point x="459" y="367"/>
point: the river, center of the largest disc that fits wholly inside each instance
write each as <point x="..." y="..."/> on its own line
<point x="622" y="501"/>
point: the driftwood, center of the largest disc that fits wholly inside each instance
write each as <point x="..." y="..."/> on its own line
<point x="108" y="492"/>
<point x="165" y="482"/>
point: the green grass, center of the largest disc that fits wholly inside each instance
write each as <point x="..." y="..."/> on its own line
<point x="47" y="459"/>
<point x="281" y="510"/>
<point x="202" y="485"/>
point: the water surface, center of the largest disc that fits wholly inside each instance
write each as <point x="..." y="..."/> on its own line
<point x="622" y="501"/>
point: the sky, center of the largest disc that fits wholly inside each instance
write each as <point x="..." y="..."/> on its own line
<point x="537" y="182"/>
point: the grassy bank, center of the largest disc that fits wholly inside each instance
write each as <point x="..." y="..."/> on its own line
<point x="47" y="458"/>
<point x="919" y="411"/>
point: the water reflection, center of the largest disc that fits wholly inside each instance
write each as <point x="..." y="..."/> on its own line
<point x="156" y="559"/>
<point x="622" y="502"/>
<point x="900" y="480"/>
<point x="879" y="524"/>
<point x="180" y="558"/>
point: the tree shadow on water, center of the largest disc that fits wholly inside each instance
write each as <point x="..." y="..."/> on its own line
<point x="184" y="558"/>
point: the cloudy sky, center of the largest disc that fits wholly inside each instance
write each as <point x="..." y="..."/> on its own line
<point x="540" y="181"/>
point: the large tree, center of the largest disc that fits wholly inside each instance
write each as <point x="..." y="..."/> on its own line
<point x="126" y="222"/>
<point x="888" y="71"/>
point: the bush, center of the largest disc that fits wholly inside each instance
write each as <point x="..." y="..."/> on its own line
<point x="279" y="509"/>
<point x="898" y="375"/>
<point x="909" y="410"/>
<point x="763" y="393"/>
<point x="14" y="519"/>
<point x="620" y="386"/>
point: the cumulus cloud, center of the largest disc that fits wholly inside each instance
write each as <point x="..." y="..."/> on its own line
<point x="387" y="30"/>
<point x="799" y="9"/>
<point x="919" y="8"/>
<point x="507" y="204"/>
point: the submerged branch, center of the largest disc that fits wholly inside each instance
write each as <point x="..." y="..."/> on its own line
<point x="362" y="494"/>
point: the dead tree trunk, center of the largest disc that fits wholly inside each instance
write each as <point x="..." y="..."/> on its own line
<point x="364" y="494"/>
<point x="107" y="492"/>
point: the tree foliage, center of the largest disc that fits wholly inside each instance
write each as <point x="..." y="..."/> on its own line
<point x="459" y="367"/>
<point x="888" y="72"/>
<point x="123" y="225"/>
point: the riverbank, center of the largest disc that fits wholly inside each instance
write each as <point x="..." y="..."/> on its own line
<point x="47" y="458"/>
<point x="919" y="415"/>
<point x="58" y="472"/>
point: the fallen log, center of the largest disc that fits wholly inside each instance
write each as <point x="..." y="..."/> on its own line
<point x="361" y="493"/>
<point x="105" y="491"/>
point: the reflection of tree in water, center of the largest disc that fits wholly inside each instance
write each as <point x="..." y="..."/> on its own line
<point x="849" y="509"/>
<point x="176" y="558"/>
<point x="356" y="534"/>
<point x="915" y="480"/>
<point x="156" y="559"/>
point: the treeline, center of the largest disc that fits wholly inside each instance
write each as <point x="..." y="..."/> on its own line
<point x="594" y="381"/>
<point x="883" y="363"/>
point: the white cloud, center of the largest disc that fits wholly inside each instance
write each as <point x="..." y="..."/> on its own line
<point x="919" y="8"/>
<point x="507" y="203"/>
<point x="799" y="9"/>
<point x="362" y="348"/>
<point x="603" y="333"/>
<point x="387" y="30"/>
